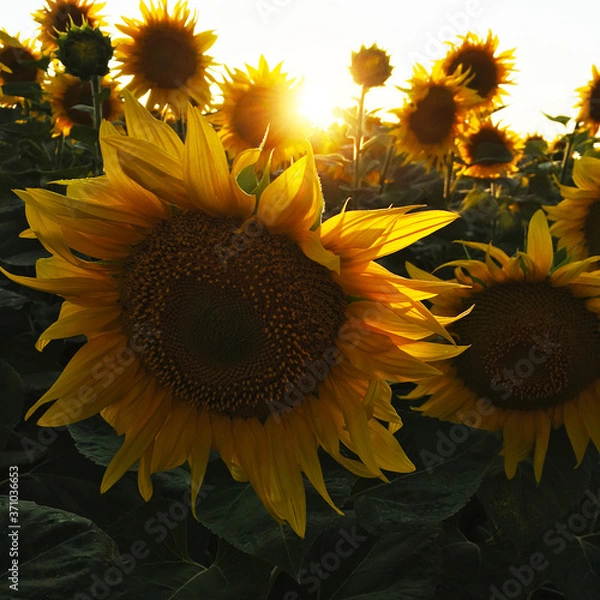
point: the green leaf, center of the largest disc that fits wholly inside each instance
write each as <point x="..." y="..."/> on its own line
<point x="96" y="439"/>
<point x="59" y="554"/>
<point x="404" y="563"/>
<point x="23" y="89"/>
<point x="562" y="119"/>
<point x="163" y="549"/>
<point x="523" y="510"/>
<point x="233" y="512"/>
<point x="451" y="461"/>
<point x="476" y="197"/>
<point x="249" y="182"/>
<point x="85" y="134"/>
<point x="11" y="406"/>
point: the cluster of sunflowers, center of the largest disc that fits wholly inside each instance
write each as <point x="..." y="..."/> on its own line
<point x="239" y="287"/>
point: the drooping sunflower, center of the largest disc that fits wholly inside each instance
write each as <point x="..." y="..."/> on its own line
<point x="56" y="17"/>
<point x="370" y="66"/>
<point x="216" y="319"/>
<point x="259" y="101"/>
<point x="433" y="116"/>
<point x="166" y="57"/>
<point x="19" y="64"/>
<point x="66" y="91"/>
<point x="589" y="103"/>
<point x="534" y="358"/>
<point x="487" y="71"/>
<point x="489" y="150"/>
<point x="577" y="217"/>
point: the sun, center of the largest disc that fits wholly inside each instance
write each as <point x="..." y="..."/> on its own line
<point x="316" y="104"/>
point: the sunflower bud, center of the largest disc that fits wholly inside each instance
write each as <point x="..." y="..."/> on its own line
<point x="84" y="51"/>
<point x="370" y="66"/>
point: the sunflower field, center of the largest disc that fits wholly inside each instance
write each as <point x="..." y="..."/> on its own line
<point x="245" y="357"/>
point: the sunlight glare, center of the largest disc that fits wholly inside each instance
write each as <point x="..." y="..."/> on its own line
<point x="317" y="106"/>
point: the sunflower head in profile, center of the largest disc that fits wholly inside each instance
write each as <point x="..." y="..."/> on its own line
<point x="589" y="103"/>
<point x="260" y="107"/>
<point x="533" y="361"/>
<point x="433" y="116"/>
<point x="65" y="92"/>
<point x="58" y="15"/>
<point x="19" y="62"/>
<point x="489" y="151"/>
<point x="577" y="217"/>
<point x="233" y="319"/>
<point x="165" y="56"/>
<point x="487" y="70"/>
<point x="370" y="66"/>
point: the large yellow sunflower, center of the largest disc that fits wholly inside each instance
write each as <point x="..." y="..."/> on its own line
<point x="534" y="358"/>
<point x="216" y="319"/>
<point x="589" y="103"/>
<point x="489" y="150"/>
<point x="577" y="217"/>
<point x="486" y="70"/>
<point x="259" y="101"/>
<point x="57" y="15"/>
<point x="165" y="56"/>
<point x="433" y="115"/>
<point x="17" y="64"/>
<point x="66" y="91"/>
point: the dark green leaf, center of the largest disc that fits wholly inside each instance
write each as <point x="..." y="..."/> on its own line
<point x="562" y="119"/>
<point x="11" y="406"/>
<point x="60" y="554"/>
<point x="451" y="461"/>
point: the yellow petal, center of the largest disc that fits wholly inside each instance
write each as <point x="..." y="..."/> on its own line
<point x="542" y="437"/>
<point x="539" y="244"/>
<point x="199" y="455"/>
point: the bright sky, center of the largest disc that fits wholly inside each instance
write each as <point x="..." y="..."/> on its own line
<point x="556" y="44"/>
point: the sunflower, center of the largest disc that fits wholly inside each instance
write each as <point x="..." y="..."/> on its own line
<point x="489" y="150"/>
<point x="589" y="103"/>
<point x="577" y="217"/>
<point x="534" y="358"/>
<point x="433" y="116"/>
<point x="260" y="101"/>
<point x="19" y="64"/>
<point x="216" y="319"/>
<point x="56" y="17"/>
<point x="486" y="70"/>
<point x="166" y="57"/>
<point x="66" y="91"/>
<point x="370" y="66"/>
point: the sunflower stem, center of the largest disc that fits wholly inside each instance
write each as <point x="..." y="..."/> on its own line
<point x="58" y="150"/>
<point x="180" y="126"/>
<point x="358" y="142"/>
<point x="386" y="165"/>
<point x="566" y="160"/>
<point x="96" y="121"/>
<point x="448" y="173"/>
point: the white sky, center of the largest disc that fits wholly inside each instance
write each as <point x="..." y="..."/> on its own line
<point x="556" y="43"/>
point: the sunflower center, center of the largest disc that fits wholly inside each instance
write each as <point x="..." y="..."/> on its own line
<point x="483" y="70"/>
<point x="533" y="346"/>
<point x="167" y="56"/>
<point x="261" y="107"/>
<point x="434" y="117"/>
<point x="61" y="20"/>
<point x="233" y="321"/>
<point x="592" y="229"/>
<point x="595" y="102"/>
<point x="487" y="147"/>
<point x="14" y="59"/>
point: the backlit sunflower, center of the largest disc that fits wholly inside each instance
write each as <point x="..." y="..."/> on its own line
<point x="577" y="217"/>
<point x="66" y="91"/>
<point x="589" y="103"/>
<point x="166" y="57"/>
<point x="534" y="357"/>
<point x="370" y="66"/>
<point x="57" y="15"/>
<point x="489" y="150"/>
<point x="433" y="115"/>
<point x="18" y="61"/>
<point x="256" y="101"/>
<point x="487" y="71"/>
<point x="216" y="319"/>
